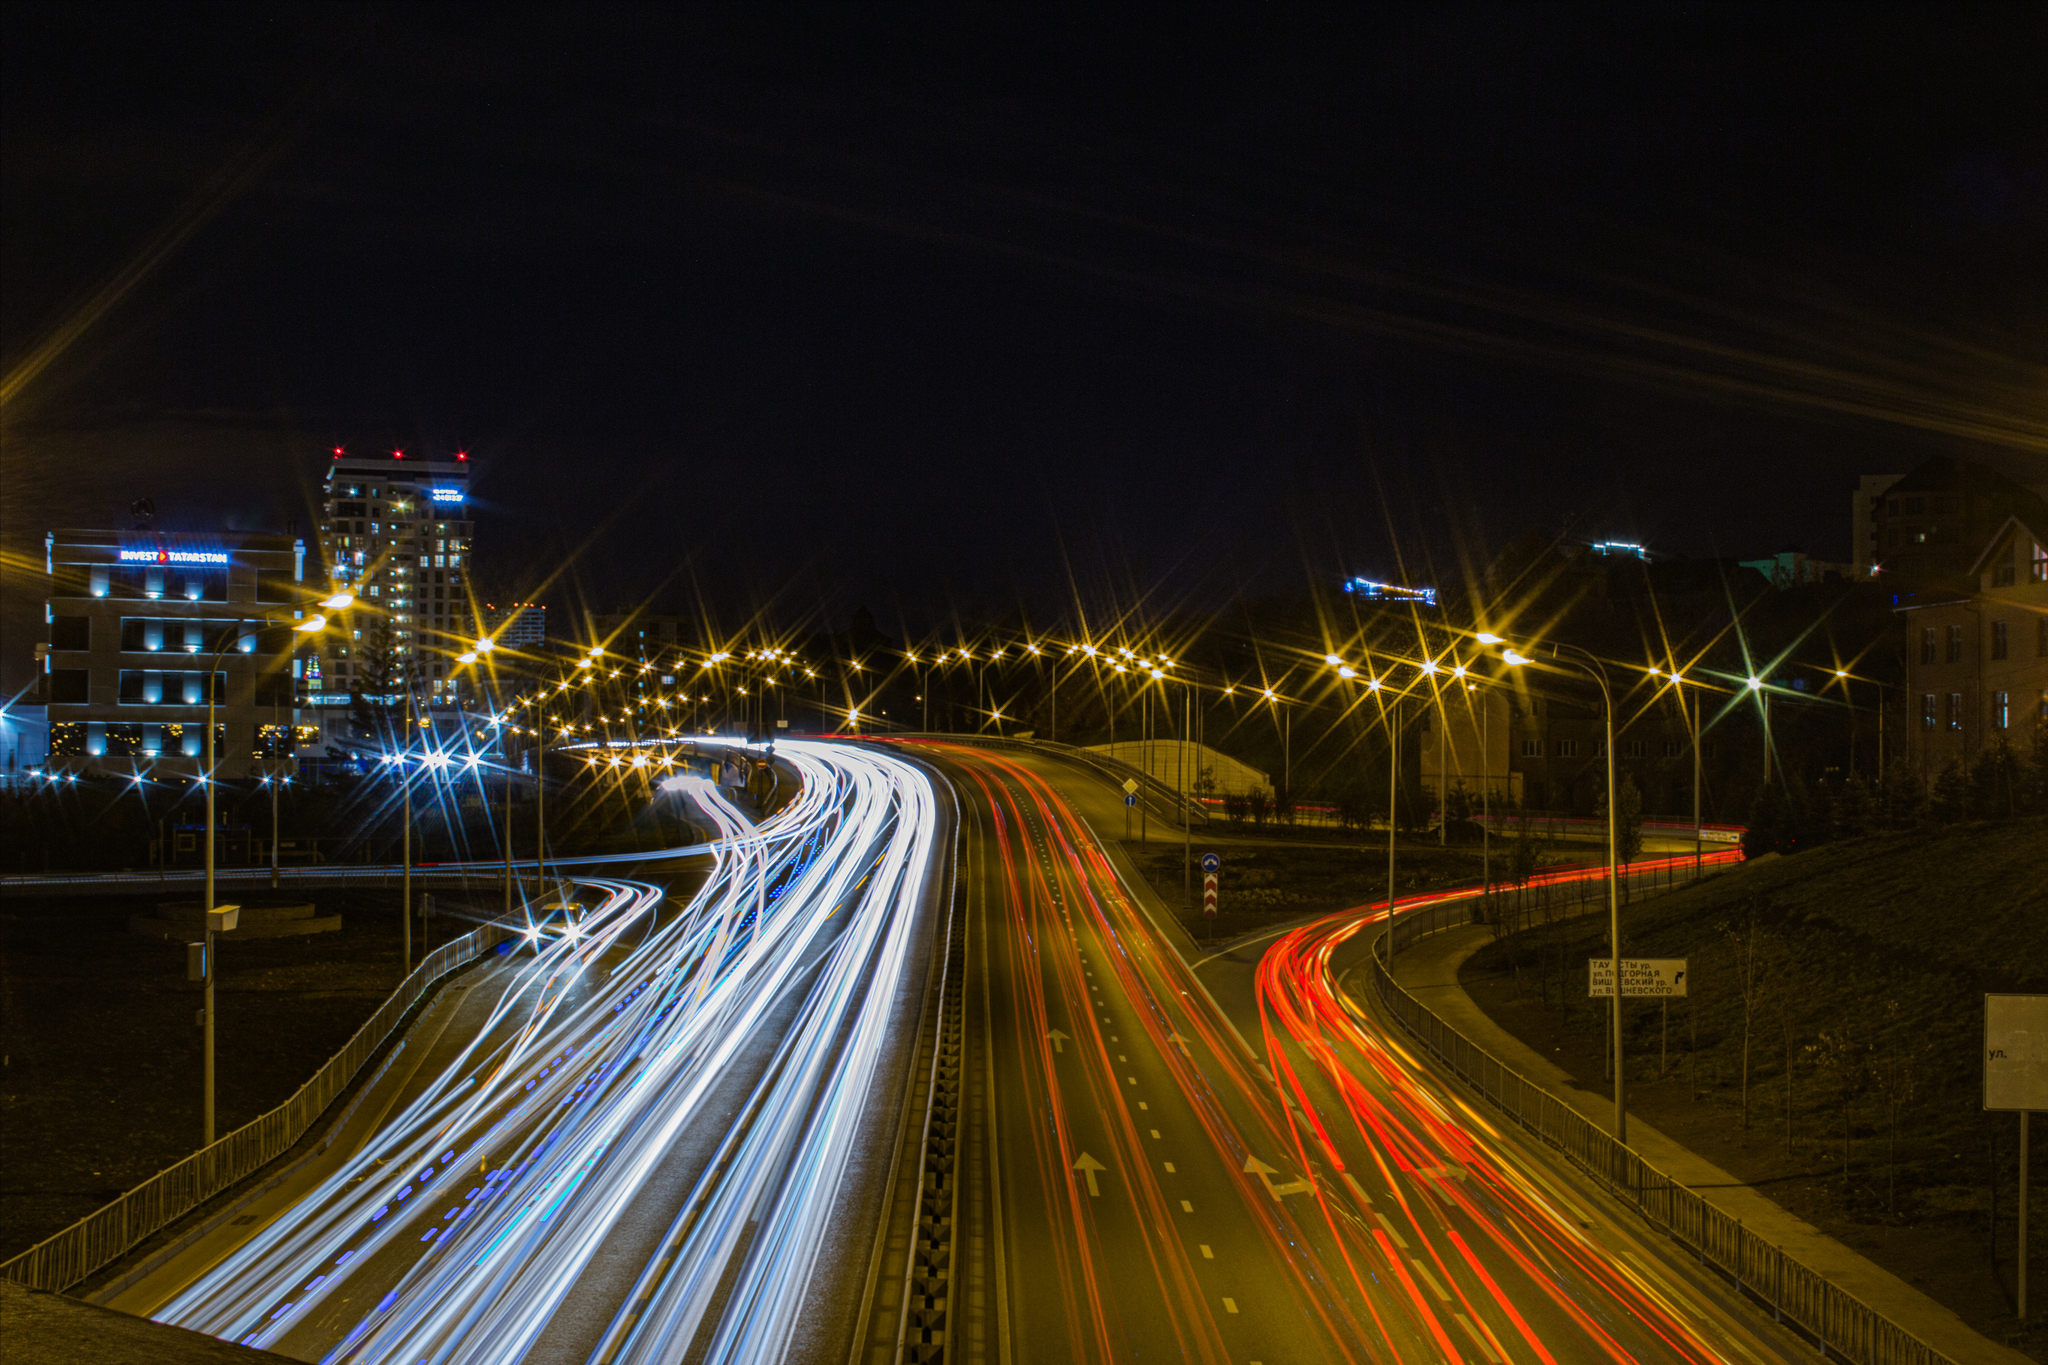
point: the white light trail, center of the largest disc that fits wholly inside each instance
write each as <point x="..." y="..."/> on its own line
<point x="469" y="1217"/>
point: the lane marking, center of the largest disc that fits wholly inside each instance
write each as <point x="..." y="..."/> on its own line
<point x="1088" y="1166"/>
<point x="1399" y="1241"/>
<point x="1429" y="1279"/>
<point x="1186" y="1206"/>
<point x="1155" y="1132"/>
<point x="1170" y="1170"/>
<point x="1230" y="1305"/>
<point x="1143" y="1105"/>
<point x="1357" y="1188"/>
<point x="1132" y="1079"/>
<point x="1477" y="1339"/>
<point x="1207" y="1254"/>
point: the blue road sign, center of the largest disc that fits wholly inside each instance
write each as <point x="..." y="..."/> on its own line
<point x="1210" y="862"/>
<point x="1130" y="798"/>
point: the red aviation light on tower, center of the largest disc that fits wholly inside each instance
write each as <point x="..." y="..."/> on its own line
<point x="397" y="454"/>
<point x="461" y="454"/>
<point x="337" y="452"/>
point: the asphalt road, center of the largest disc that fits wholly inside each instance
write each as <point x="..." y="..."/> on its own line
<point x="1393" y="1221"/>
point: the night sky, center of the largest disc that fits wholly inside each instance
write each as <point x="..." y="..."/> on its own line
<point x="949" y="314"/>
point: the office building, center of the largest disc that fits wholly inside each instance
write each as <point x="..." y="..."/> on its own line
<point x="522" y="625"/>
<point x="138" y="622"/>
<point x="395" y="531"/>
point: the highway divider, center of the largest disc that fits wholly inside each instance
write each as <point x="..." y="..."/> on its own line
<point x="1844" y="1327"/>
<point x="100" y="1238"/>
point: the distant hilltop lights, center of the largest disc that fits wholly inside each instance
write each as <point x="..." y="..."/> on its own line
<point x="1390" y="592"/>
<point x="1620" y="547"/>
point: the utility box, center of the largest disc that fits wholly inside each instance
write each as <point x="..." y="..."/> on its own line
<point x="223" y="918"/>
<point x="195" y="962"/>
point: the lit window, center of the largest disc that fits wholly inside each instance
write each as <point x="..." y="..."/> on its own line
<point x="2001" y="710"/>
<point x="1955" y="711"/>
<point x="1928" y="714"/>
<point x="2038" y="571"/>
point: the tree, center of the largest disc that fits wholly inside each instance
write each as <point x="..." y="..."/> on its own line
<point x="379" y="677"/>
<point x="1628" y="824"/>
<point x="1842" y="1057"/>
<point x="1898" y="1075"/>
<point x="1951" y="797"/>
<point x="1753" y="962"/>
<point x="1855" y="811"/>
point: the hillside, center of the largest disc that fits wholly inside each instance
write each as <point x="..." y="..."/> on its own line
<point x="1867" y="963"/>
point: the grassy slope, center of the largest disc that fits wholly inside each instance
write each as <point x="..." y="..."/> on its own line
<point x="1887" y="945"/>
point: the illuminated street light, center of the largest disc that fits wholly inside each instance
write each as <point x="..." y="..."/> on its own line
<point x="1487" y="637"/>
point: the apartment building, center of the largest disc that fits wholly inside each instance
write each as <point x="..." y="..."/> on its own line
<point x="139" y="620"/>
<point x="1977" y="656"/>
<point x="395" y="531"/>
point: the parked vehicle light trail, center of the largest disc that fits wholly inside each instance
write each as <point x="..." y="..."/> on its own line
<point x="555" y="1114"/>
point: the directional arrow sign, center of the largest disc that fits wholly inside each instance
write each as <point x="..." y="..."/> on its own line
<point x="1211" y="863"/>
<point x="1088" y="1166"/>
<point x="1265" y="1173"/>
<point x="1056" y="1038"/>
<point x="1179" y="1042"/>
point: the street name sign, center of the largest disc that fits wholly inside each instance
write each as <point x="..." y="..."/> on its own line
<point x="2016" y="1052"/>
<point x="1640" y="977"/>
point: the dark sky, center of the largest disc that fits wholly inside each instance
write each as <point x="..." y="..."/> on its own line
<point x="949" y="312"/>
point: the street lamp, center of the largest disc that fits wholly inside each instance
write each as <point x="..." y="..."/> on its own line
<point x="1591" y="666"/>
<point x="309" y="626"/>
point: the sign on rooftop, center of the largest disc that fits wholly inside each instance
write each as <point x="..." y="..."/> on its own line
<point x="2016" y="1052"/>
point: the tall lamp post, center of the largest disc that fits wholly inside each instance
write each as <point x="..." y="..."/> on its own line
<point x="310" y="625"/>
<point x="1591" y="666"/>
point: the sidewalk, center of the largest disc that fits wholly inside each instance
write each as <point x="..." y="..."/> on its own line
<point x="1429" y="971"/>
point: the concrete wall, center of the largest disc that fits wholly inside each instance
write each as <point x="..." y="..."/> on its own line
<point x="1162" y="758"/>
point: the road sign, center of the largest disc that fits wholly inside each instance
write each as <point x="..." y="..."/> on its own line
<point x="1211" y="863"/>
<point x="1641" y="976"/>
<point x="2016" y="1052"/>
<point x="1131" y="799"/>
<point x="1208" y="893"/>
<point x="1131" y="785"/>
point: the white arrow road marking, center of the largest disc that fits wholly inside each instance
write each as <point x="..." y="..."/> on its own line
<point x="1265" y="1173"/>
<point x="1180" y="1043"/>
<point x="1357" y="1189"/>
<point x="1056" y="1038"/>
<point x="1088" y="1166"/>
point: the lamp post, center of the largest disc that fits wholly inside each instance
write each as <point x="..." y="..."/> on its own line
<point x="1591" y="666"/>
<point x="308" y="626"/>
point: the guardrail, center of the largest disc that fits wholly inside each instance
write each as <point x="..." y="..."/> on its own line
<point x="1177" y="805"/>
<point x="60" y="1261"/>
<point x="1836" y="1319"/>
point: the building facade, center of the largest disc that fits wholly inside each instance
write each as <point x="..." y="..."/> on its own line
<point x="1977" y="657"/>
<point x="522" y="625"/>
<point x="395" y="531"/>
<point x="138" y="623"/>
<point x="1930" y="524"/>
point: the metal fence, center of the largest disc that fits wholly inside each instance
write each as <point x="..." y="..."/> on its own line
<point x="1840" y="1323"/>
<point x="101" y="1237"/>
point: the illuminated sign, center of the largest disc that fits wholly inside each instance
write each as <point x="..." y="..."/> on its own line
<point x="162" y="556"/>
<point x="447" y="495"/>
<point x="1390" y="592"/>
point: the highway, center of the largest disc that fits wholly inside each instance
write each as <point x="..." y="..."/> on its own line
<point x="479" y="1221"/>
<point x="1259" y="1174"/>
